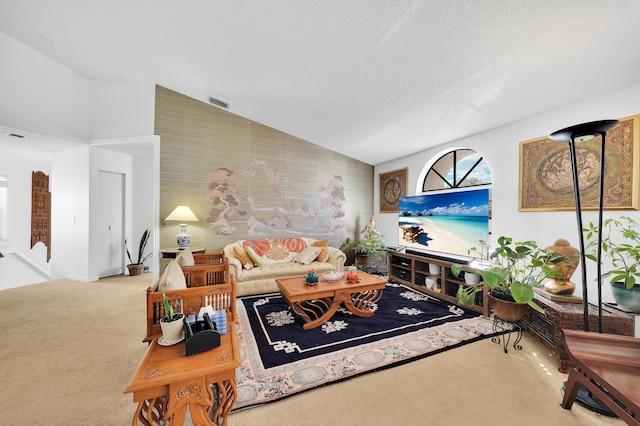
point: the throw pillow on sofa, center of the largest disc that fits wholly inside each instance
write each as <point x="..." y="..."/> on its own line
<point x="267" y="252"/>
<point x="257" y="260"/>
<point x="243" y="257"/>
<point x="324" y="245"/>
<point x="307" y="255"/>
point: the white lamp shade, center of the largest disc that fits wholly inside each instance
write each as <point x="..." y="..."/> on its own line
<point x="182" y="214"/>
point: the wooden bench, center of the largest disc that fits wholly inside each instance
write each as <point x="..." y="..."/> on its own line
<point x="218" y="293"/>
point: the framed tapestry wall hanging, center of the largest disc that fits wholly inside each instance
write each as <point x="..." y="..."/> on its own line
<point x="393" y="186"/>
<point x="546" y="177"/>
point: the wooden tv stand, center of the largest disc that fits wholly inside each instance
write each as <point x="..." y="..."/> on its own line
<point x="413" y="270"/>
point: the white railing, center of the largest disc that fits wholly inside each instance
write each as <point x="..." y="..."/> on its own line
<point x="17" y="268"/>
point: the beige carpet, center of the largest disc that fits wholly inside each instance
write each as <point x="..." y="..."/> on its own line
<point x="71" y="349"/>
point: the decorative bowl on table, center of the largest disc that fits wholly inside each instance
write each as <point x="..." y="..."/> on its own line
<point x="332" y="276"/>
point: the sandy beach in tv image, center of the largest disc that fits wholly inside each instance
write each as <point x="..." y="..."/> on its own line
<point x="447" y="222"/>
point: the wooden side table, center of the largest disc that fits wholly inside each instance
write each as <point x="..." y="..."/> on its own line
<point x="570" y="316"/>
<point x="167" y="254"/>
<point x="172" y="253"/>
<point x="168" y="382"/>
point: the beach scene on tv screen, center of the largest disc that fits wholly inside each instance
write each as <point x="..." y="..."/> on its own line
<point x="452" y="222"/>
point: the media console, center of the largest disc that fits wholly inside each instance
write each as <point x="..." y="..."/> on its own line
<point x="414" y="271"/>
<point x="432" y="275"/>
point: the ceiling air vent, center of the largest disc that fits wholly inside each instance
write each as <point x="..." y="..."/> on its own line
<point x="218" y="102"/>
<point x="15" y="135"/>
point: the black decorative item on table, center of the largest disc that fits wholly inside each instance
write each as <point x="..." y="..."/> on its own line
<point x="200" y="336"/>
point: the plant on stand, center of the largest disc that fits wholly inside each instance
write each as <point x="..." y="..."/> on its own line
<point x="621" y="245"/>
<point x="171" y="324"/>
<point x="517" y="267"/>
<point x="371" y="243"/>
<point x="135" y="268"/>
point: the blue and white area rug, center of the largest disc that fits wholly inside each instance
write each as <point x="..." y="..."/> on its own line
<point x="280" y="358"/>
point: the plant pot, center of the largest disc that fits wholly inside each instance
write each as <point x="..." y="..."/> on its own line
<point x="434" y="269"/>
<point x="172" y="330"/>
<point x="471" y="278"/>
<point x="362" y="259"/>
<point x="626" y="298"/>
<point x="135" y="268"/>
<point x="507" y="310"/>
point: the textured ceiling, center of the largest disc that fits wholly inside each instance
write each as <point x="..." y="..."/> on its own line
<point x="371" y="79"/>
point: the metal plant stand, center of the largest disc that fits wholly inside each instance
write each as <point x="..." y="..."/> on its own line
<point x="506" y="328"/>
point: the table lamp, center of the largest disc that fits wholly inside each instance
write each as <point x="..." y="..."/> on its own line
<point x="183" y="214"/>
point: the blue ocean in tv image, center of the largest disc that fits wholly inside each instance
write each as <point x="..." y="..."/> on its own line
<point x="452" y="222"/>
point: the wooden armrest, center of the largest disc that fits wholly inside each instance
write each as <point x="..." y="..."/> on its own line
<point x="208" y="258"/>
<point x="608" y="366"/>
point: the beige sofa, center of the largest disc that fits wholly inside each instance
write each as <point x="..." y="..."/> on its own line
<point x="258" y="262"/>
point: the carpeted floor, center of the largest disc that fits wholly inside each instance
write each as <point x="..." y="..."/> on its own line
<point x="71" y="348"/>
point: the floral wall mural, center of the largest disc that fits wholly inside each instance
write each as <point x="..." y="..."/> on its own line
<point x="254" y="203"/>
<point x="243" y="179"/>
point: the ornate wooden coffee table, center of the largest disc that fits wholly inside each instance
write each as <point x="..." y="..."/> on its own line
<point x="316" y="304"/>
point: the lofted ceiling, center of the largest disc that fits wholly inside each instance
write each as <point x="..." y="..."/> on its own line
<point x="371" y="79"/>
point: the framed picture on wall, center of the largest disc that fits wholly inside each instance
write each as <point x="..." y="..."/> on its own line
<point x="546" y="175"/>
<point x="393" y="186"/>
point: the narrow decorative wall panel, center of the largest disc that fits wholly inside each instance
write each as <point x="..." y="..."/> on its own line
<point x="41" y="211"/>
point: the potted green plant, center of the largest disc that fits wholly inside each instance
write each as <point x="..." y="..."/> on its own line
<point x="621" y="245"/>
<point x="516" y="268"/>
<point x="171" y="324"/>
<point x="370" y="243"/>
<point x="135" y="268"/>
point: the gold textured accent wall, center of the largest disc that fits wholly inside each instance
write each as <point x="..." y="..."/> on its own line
<point x="246" y="180"/>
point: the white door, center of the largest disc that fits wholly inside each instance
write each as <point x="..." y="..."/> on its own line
<point x="111" y="225"/>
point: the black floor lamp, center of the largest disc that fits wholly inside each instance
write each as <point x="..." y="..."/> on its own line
<point x="582" y="133"/>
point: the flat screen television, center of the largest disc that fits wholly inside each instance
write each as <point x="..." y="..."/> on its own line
<point x="445" y="224"/>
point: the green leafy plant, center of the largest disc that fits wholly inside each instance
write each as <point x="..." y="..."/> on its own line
<point x="517" y="267"/>
<point x="168" y="309"/>
<point x="368" y="245"/>
<point x="621" y="245"/>
<point x="143" y="244"/>
<point x="482" y="251"/>
<point x="371" y="243"/>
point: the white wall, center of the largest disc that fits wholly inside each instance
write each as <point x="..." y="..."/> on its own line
<point x="146" y="201"/>
<point x="42" y="95"/>
<point x="70" y="214"/>
<point x="500" y="147"/>
<point x="141" y="189"/>
<point x="114" y="162"/>
<point x="122" y="109"/>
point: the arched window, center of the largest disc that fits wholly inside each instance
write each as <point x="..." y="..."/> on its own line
<point x="456" y="169"/>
